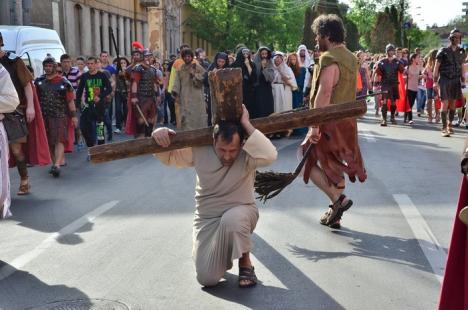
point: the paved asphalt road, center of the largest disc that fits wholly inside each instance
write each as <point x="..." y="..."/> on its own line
<point x="121" y="232"/>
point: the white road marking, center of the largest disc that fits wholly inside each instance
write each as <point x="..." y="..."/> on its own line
<point x="367" y="134"/>
<point x="429" y="244"/>
<point x="27" y="257"/>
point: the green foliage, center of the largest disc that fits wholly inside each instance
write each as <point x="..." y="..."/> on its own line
<point x="225" y="23"/>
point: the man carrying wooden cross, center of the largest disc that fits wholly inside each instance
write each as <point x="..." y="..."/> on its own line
<point x="226" y="214"/>
<point x="336" y="148"/>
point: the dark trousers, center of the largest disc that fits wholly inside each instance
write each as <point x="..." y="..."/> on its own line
<point x="411" y="97"/>
<point x="108" y="121"/>
<point x="169" y="103"/>
<point x="88" y="127"/>
<point x="120" y="109"/>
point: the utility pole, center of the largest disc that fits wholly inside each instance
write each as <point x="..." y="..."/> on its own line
<point x="402" y="21"/>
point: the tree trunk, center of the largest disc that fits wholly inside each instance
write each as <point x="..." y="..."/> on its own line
<point x="200" y="137"/>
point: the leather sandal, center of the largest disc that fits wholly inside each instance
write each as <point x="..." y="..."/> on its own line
<point x="24" y="189"/>
<point x="338" y="209"/>
<point x="247" y="274"/>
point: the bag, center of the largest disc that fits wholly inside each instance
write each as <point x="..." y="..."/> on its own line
<point x="15" y="126"/>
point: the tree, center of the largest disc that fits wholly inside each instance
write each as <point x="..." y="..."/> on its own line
<point x="382" y="33"/>
<point x="225" y="23"/>
<point x="320" y="7"/>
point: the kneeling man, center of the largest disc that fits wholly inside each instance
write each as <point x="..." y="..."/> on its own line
<point x="226" y="214"/>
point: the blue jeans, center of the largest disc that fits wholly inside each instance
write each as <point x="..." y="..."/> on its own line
<point x="421" y="100"/>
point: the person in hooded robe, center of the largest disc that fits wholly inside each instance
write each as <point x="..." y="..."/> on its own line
<point x="263" y="91"/>
<point x="249" y="76"/>
<point x="8" y="102"/>
<point x="283" y="84"/>
<point x="306" y="62"/>
<point x="220" y="61"/>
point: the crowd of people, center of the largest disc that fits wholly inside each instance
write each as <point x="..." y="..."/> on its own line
<point x="77" y="100"/>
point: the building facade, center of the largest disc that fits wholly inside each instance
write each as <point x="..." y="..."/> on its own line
<point x="86" y="26"/>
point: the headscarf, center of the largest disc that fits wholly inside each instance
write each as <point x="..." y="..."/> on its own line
<point x="258" y="60"/>
<point x="219" y="55"/>
<point x="239" y="58"/>
<point x="308" y="61"/>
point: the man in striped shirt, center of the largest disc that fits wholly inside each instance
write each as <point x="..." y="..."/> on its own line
<point x="71" y="73"/>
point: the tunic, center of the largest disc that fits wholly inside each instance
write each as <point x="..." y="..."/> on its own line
<point x="339" y="153"/>
<point x="282" y="91"/>
<point x="8" y="103"/>
<point x="189" y="89"/>
<point x="225" y="214"/>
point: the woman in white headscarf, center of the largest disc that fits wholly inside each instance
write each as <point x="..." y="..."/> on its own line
<point x="8" y="103"/>
<point x="283" y="84"/>
<point x="305" y="61"/>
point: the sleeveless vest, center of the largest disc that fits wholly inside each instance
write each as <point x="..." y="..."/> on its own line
<point x="146" y="83"/>
<point x="389" y="71"/>
<point x="450" y="62"/>
<point x="53" y="96"/>
<point x="345" y="90"/>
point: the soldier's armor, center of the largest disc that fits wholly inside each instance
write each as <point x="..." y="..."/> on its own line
<point x="53" y="97"/>
<point x="450" y="62"/>
<point x="389" y="71"/>
<point x="146" y="83"/>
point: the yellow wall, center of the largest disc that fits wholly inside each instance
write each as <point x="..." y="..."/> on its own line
<point x="126" y="8"/>
<point x="189" y="37"/>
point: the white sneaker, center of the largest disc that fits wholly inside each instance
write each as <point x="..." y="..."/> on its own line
<point x="117" y="130"/>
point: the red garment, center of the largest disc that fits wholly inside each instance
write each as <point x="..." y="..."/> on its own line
<point x="71" y="137"/>
<point x="402" y="103"/>
<point x="36" y="149"/>
<point x="454" y="293"/>
<point x="130" y="124"/>
<point x="460" y="102"/>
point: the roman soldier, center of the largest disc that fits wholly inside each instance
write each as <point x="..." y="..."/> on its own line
<point x="447" y="79"/>
<point x="25" y="127"/>
<point x="144" y="90"/>
<point x="56" y="97"/>
<point x="388" y="69"/>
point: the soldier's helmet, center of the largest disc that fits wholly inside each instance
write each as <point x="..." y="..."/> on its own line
<point x="454" y="32"/>
<point x="49" y="60"/>
<point x="389" y="47"/>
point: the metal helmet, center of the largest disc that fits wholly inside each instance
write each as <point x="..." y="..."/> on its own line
<point x="454" y="32"/>
<point x="49" y="60"/>
<point x="389" y="47"/>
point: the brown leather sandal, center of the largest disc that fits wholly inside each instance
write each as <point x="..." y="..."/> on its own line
<point x="24" y="189"/>
<point x="338" y="209"/>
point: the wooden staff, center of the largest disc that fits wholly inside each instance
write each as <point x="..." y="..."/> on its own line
<point x="141" y="114"/>
<point x="204" y="136"/>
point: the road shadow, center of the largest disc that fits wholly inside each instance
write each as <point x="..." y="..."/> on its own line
<point x="300" y="292"/>
<point x="395" y="250"/>
<point x="23" y="290"/>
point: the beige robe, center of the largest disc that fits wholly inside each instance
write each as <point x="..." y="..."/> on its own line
<point x="225" y="214"/>
<point x="191" y="101"/>
<point x="8" y="103"/>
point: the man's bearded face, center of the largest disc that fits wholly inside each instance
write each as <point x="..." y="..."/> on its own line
<point x="49" y="68"/>
<point x="391" y="53"/>
<point x="227" y="152"/>
<point x="188" y="58"/>
<point x="264" y="54"/>
<point x="322" y="43"/>
<point x="456" y="39"/>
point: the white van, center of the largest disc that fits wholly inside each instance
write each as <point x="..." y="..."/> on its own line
<point x="32" y="44"/>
